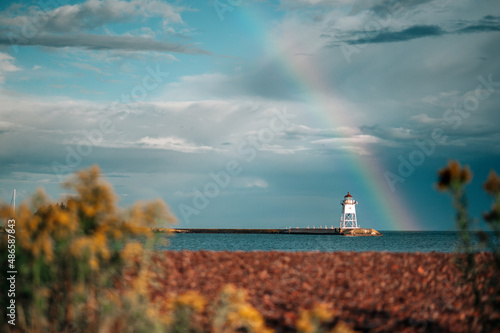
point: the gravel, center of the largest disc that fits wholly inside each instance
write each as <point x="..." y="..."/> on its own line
<point x="370" y="291"/>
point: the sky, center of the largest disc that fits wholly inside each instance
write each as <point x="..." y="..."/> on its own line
<point x="254" y="114"/>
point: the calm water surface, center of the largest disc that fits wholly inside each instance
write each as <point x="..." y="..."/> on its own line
<point x="392" y="241"/>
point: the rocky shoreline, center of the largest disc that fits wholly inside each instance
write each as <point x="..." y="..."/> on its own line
<point x="370" y="291"/>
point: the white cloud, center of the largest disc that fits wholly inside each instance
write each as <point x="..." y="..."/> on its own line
<point x="301" y="4"/>
<point x="260" y="183"/>
<point x="248" y="182"/>
<point x="358" y="139"/>
<point x="93" y="14"/>
<point x="87" y="67"/>
<point x="425" y="119"/>
<point x="278" y="149"/>
<point x="173" y="143"/>
<point x="355" y="144"/>
<point x="79" y="26"/>
<point x="443" y="99"/>
<point x="6" y="126"/>
<point x="355" y="149"/>
<point x="6" y="66"/>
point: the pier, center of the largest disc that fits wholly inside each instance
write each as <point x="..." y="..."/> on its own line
<point x="292" y="231"/>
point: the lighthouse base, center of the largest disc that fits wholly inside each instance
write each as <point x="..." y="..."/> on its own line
<point x="335" y="231"/>
<point x="360" y="232"/>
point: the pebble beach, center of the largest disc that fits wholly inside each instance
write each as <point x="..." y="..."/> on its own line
<point x="369" y="291"/>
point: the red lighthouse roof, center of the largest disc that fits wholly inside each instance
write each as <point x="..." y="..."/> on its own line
<point x="348" y="195"/>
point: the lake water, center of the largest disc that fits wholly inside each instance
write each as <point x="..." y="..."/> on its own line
<point x="392" y="241"/>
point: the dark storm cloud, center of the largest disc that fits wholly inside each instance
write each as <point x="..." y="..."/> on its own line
<point x="414" y="32"/>
<point x="383" y="5"/>
<point x="101" y="42"/>
<point x="390" y="35"/>
<point x="488" y="23"/>
<point x="475" y="136"/>
<point x="356" y="5"/>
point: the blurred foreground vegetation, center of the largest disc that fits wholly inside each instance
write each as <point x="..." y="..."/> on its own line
<point x="80" y="268"/>
<point x="453" y="179"/>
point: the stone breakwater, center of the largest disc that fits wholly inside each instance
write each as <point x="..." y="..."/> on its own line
<point x="334" y="231"/>
<point x="301" y="231"/>
<point x="370" y="291"/>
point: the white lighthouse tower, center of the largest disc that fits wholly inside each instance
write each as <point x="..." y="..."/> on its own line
<point x="348" y="218"/>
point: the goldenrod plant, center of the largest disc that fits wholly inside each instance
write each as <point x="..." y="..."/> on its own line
<point x="320" y="319"/>
<point x="184" y="312"/>
<point x="233" y="313"/>
<point x="71" y="258"/>
<point x="483" y="277"/>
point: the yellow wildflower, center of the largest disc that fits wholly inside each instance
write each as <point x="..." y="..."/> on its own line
<point x="132" y="252"/>
<point x="192" y="299"/>
<point x="304" y="323"/>
<point x="234" y="312"/>
<point x="342" y="327"/>
<point x="316" y="319"/>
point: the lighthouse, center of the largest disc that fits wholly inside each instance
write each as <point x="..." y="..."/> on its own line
<point x="348" y="218"/>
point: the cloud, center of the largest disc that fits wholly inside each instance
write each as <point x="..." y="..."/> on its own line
<point x="6" y="66"/>
<point x="443" y="99"/>
<point x="173" y="143"/>
<point x="413" y="32"/>
<point x="278" y="149"/>
<point x="353" y="143"/>
<point x="186" y="127"/>
<point x="400" y="34"/>
<point x="424" y="119"/>
<point x="266" y="80"/>
<point x="90" y="15"/>
<point x="390" y="133"/>
<point x="87" y="66"/>
<point x="104" y="42"/>
<point x="76" y="25"/>
<point x="258" y="183"/>
<point x="361" y="139"/>
<point x="302" y="131"/>
<point x="381" y="7"/>
<point x="6" y="126"/>
<point x="486" y="24"/>
<point x="304" y="4"/>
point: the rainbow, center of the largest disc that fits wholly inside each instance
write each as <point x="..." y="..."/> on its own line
<point x="328" y="109"/>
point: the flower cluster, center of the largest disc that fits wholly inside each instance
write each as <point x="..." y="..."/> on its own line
<point x="183" y="312"/>
<point x="233" y="313"/>
<point x="453" y="176"/>
<point x="320" y="319"/>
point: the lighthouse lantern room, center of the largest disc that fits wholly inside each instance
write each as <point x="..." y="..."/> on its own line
<point x="348" y="218"/>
